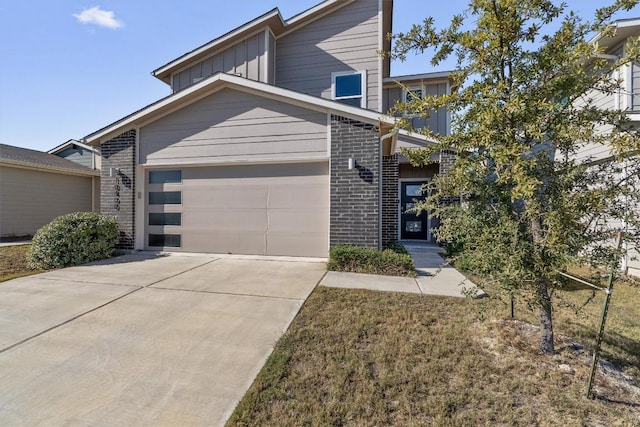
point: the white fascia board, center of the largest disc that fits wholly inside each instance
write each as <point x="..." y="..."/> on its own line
<point x="424" y="76"/>
<point x="221" y="80"/>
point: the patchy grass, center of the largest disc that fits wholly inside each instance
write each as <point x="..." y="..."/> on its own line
<point x="13" y="262"/>
<point x="363" y="358"/>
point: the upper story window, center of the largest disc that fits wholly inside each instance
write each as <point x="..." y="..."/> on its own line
<point x="349" y="88"/>
<point x="413" y="94"/>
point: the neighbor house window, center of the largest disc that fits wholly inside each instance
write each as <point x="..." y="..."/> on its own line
<point x="165" y="177"/>
<point x="349" y="88"/>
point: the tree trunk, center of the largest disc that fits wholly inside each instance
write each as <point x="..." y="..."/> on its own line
<point x="544" y="300"/>
<point x="546" y="322"/>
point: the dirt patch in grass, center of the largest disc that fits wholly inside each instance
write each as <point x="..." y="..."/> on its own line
<point x="363" y="358"/>
<point x="13" y="262"/>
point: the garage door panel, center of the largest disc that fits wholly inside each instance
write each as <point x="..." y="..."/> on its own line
<point x="226" y="196"/>
<point x="296" y="220"/>
<point x="294" y="195"/>
<point x="241" y="220"/>
<point x="303" y="244"/>
<point x="278" y="209"/>
<point x="223" y="242"/>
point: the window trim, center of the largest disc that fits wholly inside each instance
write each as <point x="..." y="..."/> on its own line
<point x="363" y="88"/>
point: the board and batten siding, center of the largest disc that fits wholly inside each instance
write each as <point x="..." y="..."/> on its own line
<point x="233" y="126"/>
<point x="634" y="90"/>
<point x="246" y="59"/>
<point x="344" y="40"/>
<point x="79" y="155"/>
<point x="31" y="198"/>
<point x="437" y="120"/>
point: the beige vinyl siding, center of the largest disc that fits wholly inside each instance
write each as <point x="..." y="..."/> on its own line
<point x="596" y="151"/>
<point x="234" y="126"/>
<point x="31" y="198"/>
<point x="245" y="58"/>
<point x="345" y="40"/>
<point x="633" y="263"/>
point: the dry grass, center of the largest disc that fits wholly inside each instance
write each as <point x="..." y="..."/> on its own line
<point x="13" y="262"/>
<point x="362" y="358"/>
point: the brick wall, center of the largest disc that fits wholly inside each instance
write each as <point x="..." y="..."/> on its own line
<point x="447" y="159"/>
<point x="117" y="193"/>
<point x="354" y="193"/>
<point x="389" y="199"/>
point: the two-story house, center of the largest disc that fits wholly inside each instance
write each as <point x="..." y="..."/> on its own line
<point x="273" y="141"/>
<point x="626" y="98"/>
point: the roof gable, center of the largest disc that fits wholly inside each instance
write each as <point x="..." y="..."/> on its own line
<point x="25" y="157"/>
<point x="219" y="81"/>
<point x="271" y="21"/>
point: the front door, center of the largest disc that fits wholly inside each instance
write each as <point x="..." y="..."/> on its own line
<point x="412" y="226"/>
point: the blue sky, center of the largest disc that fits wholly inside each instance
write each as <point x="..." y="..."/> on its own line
<point x="71" y="67"/>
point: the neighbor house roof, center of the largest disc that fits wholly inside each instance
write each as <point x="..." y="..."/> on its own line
<point x="624" y="28"/>
<point x="70" y="143"/>
<point x="33" y="159"/>
<point x="273" y="21"/>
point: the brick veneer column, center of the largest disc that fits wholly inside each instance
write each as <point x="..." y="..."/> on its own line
<point x="390" y="171"/>
<point x="354" y="217"/>
<point x="117" y="193"/>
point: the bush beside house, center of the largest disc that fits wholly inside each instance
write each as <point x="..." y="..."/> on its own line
<point x="73" y="239"/>
<point x="394" y="261"/>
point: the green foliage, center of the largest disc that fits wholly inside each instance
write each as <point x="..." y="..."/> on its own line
<point x="523" y="109"/>
<point x="397" y="247"/>
<point x="73" y="239"/>
<point x="371" y="261"/>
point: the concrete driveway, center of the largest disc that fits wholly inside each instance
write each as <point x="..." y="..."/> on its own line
<point x="143" y="339"/>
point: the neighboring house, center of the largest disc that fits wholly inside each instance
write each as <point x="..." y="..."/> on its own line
<point x="273" y="141"/>
<point x="36" y="187"/>
<point x="78" y="152"/>
<point x="627" y="98"/>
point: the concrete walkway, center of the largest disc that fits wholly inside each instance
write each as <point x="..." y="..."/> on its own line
<point x="143" y="339"/>
<point x="435" y="276"/>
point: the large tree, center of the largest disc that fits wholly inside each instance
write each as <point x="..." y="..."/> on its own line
<point x="519" y="201"/>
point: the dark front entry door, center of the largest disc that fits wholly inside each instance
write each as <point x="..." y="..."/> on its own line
<point x="412" y="226"/>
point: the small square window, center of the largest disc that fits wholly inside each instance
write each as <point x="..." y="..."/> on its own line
<point x="349" y="87"/>
<point x="413" y="95"/>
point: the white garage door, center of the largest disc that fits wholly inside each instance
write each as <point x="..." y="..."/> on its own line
<point x="258" y="209"/>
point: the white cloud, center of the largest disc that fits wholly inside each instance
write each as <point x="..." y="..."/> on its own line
<point x="97" y="16"/>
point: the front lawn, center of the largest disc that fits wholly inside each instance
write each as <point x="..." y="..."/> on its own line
<point x="13" y="262"/>
<point x="363" y="358"/>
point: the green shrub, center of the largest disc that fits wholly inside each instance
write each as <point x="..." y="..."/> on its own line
<point x="397" y="247"/>
<point x="73" y="239"/>
<point x="368" y="260"/>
